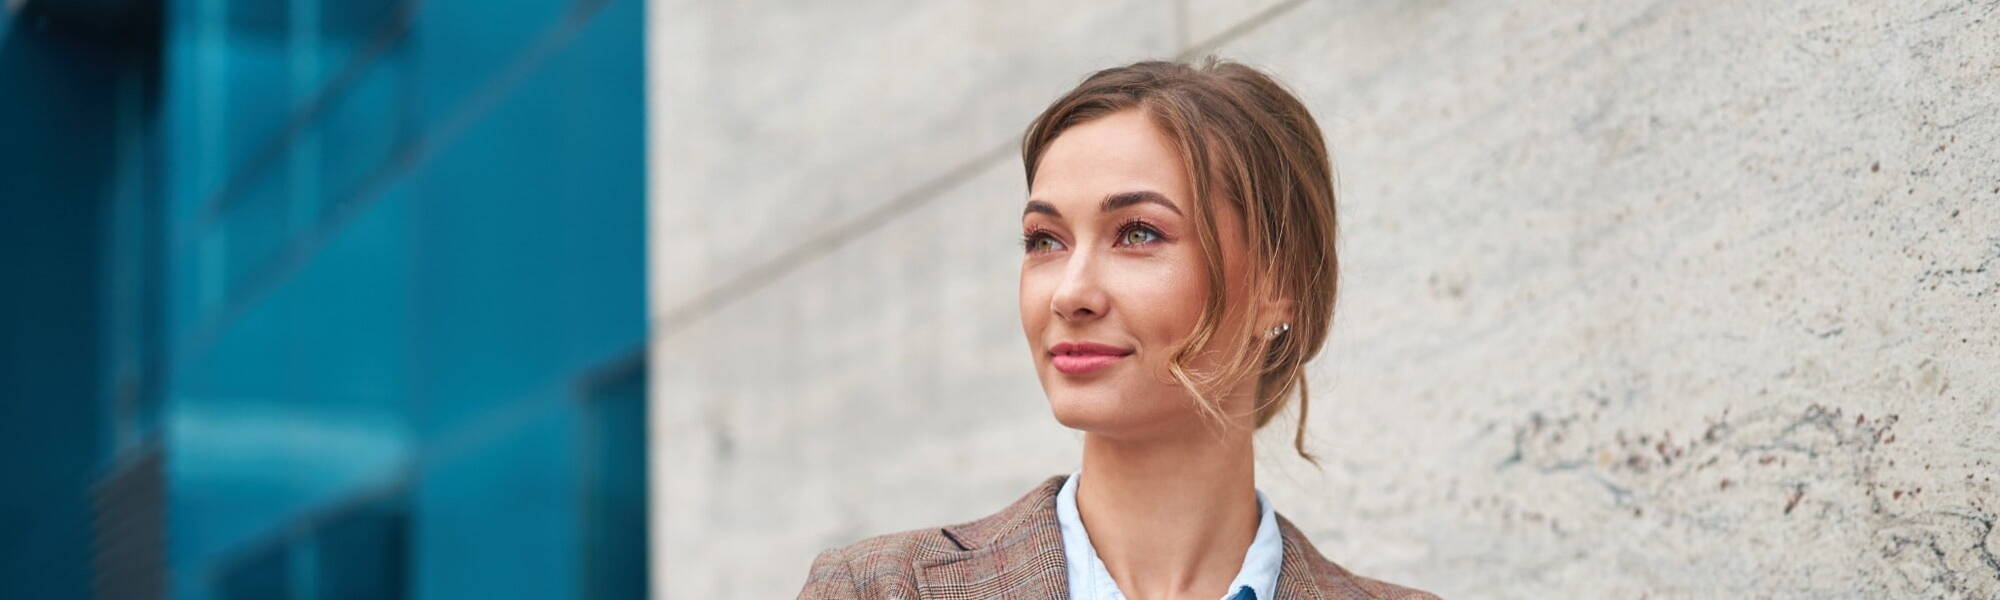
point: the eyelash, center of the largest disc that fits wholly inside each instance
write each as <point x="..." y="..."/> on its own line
<point x="1038" y="234"/>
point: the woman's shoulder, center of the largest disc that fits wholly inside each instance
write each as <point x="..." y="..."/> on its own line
<point x="1037" y="507"/>
<point x="888" y="565"/>
<point x="1304" y="566"/>
<point x="1389" y="591"/>
<point x="883" y="560"/>
<point x="888" y="552"/>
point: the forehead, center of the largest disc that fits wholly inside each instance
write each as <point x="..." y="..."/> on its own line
<point x="1119" y="152"/>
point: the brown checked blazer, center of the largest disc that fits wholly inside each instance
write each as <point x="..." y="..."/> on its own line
<point x="1018" y="553"/>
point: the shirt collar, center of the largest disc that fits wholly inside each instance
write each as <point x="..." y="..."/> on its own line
<point x="1088" y="579"/>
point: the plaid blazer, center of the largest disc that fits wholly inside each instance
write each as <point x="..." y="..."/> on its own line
<point x="1017" y="553"/>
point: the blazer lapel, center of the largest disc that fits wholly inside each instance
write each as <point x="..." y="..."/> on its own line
<point x="1015" y="553"/>
<point x="1304" y="573"/>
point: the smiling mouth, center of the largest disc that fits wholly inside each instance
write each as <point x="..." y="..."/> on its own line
<point x="1078" y="358"/>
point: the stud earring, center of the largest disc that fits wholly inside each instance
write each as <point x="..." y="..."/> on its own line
<point x="1279" y="330"/>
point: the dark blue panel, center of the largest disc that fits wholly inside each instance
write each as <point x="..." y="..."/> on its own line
<point x="364" y="553"/>
<point x="63" y="85"/>
<point x="364" y="126"/>
<point x="256" y="74"/>
<point x="573" y="225"/>
<point x="263" y="576"/>
<point x="468" y="46"/>
<point x="614" y="473"/>
<point x="499" y="514"/>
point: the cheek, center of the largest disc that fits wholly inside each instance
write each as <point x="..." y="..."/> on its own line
<point x="1034" y="303"/>
<point x="1163" y="299"/>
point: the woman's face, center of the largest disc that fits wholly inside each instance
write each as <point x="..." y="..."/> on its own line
<point x="1113" y="278"/>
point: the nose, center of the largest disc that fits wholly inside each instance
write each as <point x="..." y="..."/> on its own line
<point x="1080" y="296"/>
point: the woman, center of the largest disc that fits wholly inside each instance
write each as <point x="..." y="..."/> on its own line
<point x="1178" y="271"/>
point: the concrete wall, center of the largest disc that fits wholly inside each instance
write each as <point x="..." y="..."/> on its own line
<point x="1642" y="299"/>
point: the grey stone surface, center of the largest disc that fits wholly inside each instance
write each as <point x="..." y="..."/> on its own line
<point x="1668" y="300"/>
<point x="775" y="120"/>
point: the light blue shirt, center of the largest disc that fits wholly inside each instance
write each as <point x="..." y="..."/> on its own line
<point x="1258" y="577"/>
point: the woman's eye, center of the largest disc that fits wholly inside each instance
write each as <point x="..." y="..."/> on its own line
<point x="1138" y="235"/>
<point x="1041" y="242"/>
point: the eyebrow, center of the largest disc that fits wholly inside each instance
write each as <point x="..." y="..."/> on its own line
<point x="1112" y="202"/>
<point x="1125" y="199"/>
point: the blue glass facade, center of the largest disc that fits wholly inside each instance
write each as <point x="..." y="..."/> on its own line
<point x="361" y="291"/>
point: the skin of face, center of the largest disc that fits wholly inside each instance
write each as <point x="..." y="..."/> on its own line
<point x="1133" y="277"/>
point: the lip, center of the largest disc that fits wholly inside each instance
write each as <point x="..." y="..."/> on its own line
<point x="1077" y="358"/>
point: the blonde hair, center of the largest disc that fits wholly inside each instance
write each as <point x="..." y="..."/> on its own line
<point x="1244" y="138"/>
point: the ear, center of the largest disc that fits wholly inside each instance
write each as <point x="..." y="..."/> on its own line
<point x="1277" y="308"/>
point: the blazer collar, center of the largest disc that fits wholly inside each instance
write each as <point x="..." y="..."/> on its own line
<point x="1018" y="553"/>
<point x="1014" y="553"/>
<point x="1307" y="574"/>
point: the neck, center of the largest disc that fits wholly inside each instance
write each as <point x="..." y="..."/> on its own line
<point x="1171" y="516"/>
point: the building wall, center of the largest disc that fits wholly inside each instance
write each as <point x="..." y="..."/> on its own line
<point x="56" y="269"/>
<point x="348" y="294"/>
<point x="1681" y="299"/>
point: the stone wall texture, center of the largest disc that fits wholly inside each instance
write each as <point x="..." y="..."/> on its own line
<point x="1668" y="299"/>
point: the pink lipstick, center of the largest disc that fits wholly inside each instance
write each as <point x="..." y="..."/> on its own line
<point x="1077" y="358"/>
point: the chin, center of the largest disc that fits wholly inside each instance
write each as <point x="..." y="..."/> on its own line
<point x="1089" y="410"/>
<point x="1109" y="411"/>
<point x="1083" y="418"/>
